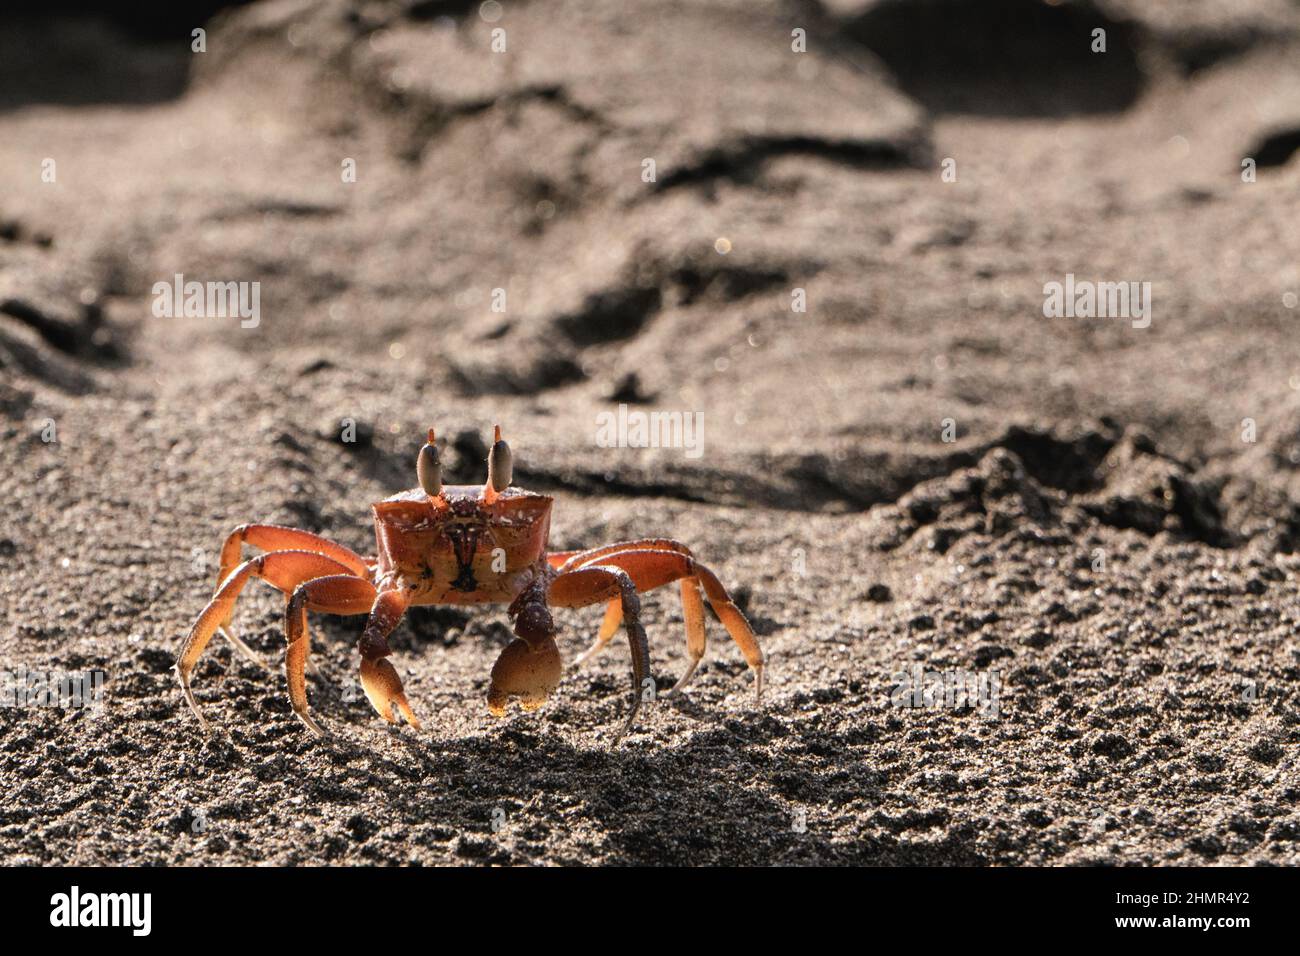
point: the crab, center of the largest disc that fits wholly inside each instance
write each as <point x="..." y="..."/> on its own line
<point x="464" y="544"/>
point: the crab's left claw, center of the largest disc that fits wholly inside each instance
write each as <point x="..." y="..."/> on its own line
<point x="529" y="673"/>
<point x="384" y="689"/>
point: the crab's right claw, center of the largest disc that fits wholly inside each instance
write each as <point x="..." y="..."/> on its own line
<point x="526" y="673"/>
<point x="384" y="689"/>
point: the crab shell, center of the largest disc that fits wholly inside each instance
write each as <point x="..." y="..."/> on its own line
<point x="462" y="546"/>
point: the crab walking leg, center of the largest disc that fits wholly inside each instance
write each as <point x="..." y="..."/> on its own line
<point x="650" y="569"/>
<point x="567" y="560"/>
<point x="333" y="594"/>
<point x="284" y="570"/>
<point x="574" y="559"/>
<point x="270" y="537"/>
<point x="592" y="584"/>
<point x="693" y="612"/>
<point x="243" y="648"/>
<point x="378" y="676"/>
<point x="608" y="628"/>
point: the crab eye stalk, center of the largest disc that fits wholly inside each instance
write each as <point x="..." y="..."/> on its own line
<point x="500" y="465"/>
<point x="429" y="469"/>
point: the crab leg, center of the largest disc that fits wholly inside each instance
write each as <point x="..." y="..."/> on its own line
<point x="654" y="567"/>
<point x="567" y="560"/>
<point x="608" y="628"/>
<point x="693" y="612"/>
<point x="378" y="676"/>
<point x="332" y="594"/>
<point x="270" y="537"/>
<point x="284" y="570"/>
<point x="573" y="559"/>
<point x="592" y="584"/>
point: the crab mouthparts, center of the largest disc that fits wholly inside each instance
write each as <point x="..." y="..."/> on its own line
<point x="464" y="543"/>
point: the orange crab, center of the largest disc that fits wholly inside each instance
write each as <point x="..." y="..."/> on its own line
<point x="463" y="544"/>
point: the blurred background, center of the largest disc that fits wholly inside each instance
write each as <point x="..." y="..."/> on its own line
<point x="524" y="170"/>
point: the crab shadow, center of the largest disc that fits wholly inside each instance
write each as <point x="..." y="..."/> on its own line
<point x="733" y="789"/>
<point x="704" y="801"/>
<point x="760" y="787"/>
<point x="754" y="788"/>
